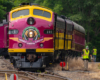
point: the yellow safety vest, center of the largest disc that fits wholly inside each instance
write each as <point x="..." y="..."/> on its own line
<point x="94" y="51"/>
<point x="85" y="54"/>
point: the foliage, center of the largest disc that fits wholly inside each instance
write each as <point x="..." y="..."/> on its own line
<point x="5" y="6"/>
<point x="84" y="12"/>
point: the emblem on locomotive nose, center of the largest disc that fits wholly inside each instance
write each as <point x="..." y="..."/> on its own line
<point x="30" y="35"/>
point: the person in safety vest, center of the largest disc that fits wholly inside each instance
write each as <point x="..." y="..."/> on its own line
<point x="85" y="55"/>
<point x="94" y="54"/>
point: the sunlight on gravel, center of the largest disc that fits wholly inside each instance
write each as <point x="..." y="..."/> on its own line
<point x="95" y="75"/>
<point x="73" y="64"/>
<point x="77" y="65"/>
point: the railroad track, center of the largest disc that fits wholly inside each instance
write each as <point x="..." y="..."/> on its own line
<point x="20" y="75"/>
<point x="35" y="76"/>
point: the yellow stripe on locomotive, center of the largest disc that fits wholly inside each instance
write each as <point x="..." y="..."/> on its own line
<point x="37" y="50"/>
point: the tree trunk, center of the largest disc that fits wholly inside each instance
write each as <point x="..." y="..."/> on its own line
<point x="87" y="36"/>
<point x="88" y="32"/>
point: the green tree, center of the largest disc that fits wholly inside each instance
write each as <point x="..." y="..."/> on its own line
<point x="5" y="6"/>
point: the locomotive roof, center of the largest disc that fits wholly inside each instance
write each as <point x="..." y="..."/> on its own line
<point x="78" y="27"/>
<point x="68" y="21"/>
<point x="60" y="19"/>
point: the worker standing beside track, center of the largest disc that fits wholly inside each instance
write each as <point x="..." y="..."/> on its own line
<point x="85" y="55"/>
<point x="94" y="53"/>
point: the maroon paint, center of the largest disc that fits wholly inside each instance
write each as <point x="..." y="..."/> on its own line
<point x="40" y="24"/>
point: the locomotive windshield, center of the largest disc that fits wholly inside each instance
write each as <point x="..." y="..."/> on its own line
<point x="20" y="12"/>
<point x="41" y="13"/>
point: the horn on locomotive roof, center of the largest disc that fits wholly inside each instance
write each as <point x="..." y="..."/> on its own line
<point x="28" y="4"/>
<point x="64" y="17"/>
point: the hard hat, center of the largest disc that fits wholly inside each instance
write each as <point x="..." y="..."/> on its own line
<point x="87" y="47"/>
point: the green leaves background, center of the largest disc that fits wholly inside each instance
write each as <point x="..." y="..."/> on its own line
<point x="84" y="12"/>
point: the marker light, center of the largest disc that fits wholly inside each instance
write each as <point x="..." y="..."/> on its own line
<point x="15" y="31"/>
<point x="30" y="21"/>
<point x="22" y="56"/>
<point x="39" y="56"/>
<point x="41" y="45"/>
<point x="48" y="31"/>
<point x="20" y="45"/>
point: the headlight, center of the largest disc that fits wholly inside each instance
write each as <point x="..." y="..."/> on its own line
<point x="30" y="21"/>
<point x="15" y="31"/>
<point x="31" y="34"/>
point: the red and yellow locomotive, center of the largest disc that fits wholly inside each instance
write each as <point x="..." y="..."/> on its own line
<point x="37" y="36"/>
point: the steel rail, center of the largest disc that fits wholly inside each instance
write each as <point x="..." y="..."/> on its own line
<point x="52" y="72"/>
<point x="18" y="75"/>
<point x="34" y="75"/>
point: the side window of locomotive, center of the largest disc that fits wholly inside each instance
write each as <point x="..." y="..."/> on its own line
<point x="60" y="24"/>
<point x="69" y="27"/>
<point x="19" y="13"/>
<point x="41" y="13"/>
